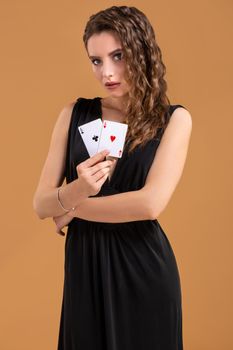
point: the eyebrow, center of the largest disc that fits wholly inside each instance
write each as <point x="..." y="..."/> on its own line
<point x="119" y="49"/>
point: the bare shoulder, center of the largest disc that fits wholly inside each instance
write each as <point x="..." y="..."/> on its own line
<point x="180" y="125"/>
<point x="182" y="117"/>
<point x="69" y="106"/>
<point x="63" y="120"/>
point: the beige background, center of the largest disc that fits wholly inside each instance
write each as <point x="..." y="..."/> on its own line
<point x="43" y="67"/>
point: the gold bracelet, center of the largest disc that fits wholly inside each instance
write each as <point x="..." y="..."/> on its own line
<point x="58" y="197"/>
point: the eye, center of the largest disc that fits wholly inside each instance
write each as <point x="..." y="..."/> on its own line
<point x="94" y="61"/>
<point x="118" y="54"/>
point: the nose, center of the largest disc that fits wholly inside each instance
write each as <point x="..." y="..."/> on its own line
<point x="107" y="69"/>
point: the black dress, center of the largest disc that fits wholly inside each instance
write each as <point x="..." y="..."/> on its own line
<point x="122" y="288"/>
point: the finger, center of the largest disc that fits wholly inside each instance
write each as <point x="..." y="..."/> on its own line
<point x="71" y="213"/>
<point x="102" y="179"/>
<point x="96" y="158"/>
<point x="105" y="165"/>
<point x="100" y="174"/>
<point x="60" y="232"/>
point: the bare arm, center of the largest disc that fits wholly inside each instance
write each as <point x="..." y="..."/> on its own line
<point x="162" y="179"/>
<point x="45" y="201"/>
<point x="47" y="205"/>
<point x="168" y="164"/>
<point x="122" y="207"/>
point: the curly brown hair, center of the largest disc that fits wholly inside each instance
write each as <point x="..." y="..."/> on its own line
<point x="145" y="70"/>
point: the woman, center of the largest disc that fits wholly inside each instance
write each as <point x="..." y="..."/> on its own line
<point x="122" y="288"/>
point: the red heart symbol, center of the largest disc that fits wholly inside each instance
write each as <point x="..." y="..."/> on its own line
<point x="112" y="138"/>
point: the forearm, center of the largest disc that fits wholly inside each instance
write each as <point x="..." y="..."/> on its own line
<point x="46" y="204"/>
<point x="122" y="207"/>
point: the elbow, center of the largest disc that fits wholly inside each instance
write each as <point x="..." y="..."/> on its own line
<point x="154" y="212"/>
<point x="36" y="208"/>
<point x="156" y="205"/>
<point x="150" y="210"/>
<point x="153" y="215"/>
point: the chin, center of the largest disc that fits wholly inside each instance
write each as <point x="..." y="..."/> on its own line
<point x="117" y="92"/>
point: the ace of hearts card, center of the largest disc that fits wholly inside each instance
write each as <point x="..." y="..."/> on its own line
<point x="112" y="137"/>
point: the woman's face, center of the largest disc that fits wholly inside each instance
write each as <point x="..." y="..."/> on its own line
<point x="108" y="64"/>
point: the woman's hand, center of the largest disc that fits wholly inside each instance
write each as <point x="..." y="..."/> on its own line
<point x="93" y="172"/>
<point x="62" y="221"/>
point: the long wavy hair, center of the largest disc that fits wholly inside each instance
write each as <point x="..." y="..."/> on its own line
<point x="148" y="104"/>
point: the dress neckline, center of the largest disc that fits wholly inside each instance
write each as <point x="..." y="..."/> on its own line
<point x="100" y="109"/>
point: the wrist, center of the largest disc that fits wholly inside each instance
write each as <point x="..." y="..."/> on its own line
<point x="82" y="194"/>
<point x="59" y="201"/>
<point x="75" y="212"/>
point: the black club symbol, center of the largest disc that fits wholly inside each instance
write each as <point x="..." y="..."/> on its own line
<point x="95" y="138"/>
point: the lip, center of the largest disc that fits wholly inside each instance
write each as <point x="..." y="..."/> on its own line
<point x="112" y="86"/>
<point x="110" y="83"/>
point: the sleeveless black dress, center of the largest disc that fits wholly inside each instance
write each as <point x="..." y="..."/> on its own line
<point x="122" y="288"/>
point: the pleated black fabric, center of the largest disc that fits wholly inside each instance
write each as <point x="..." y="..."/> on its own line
<point x="122" y="287"/>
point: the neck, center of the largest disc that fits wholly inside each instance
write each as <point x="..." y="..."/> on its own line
<point x="117" y="103"/>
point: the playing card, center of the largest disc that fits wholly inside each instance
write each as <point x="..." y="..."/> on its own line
<point x="113" y="137"/>
<point x="90" y="133"/>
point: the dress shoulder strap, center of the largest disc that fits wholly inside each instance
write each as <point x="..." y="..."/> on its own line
<point x="172" y="108"/>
